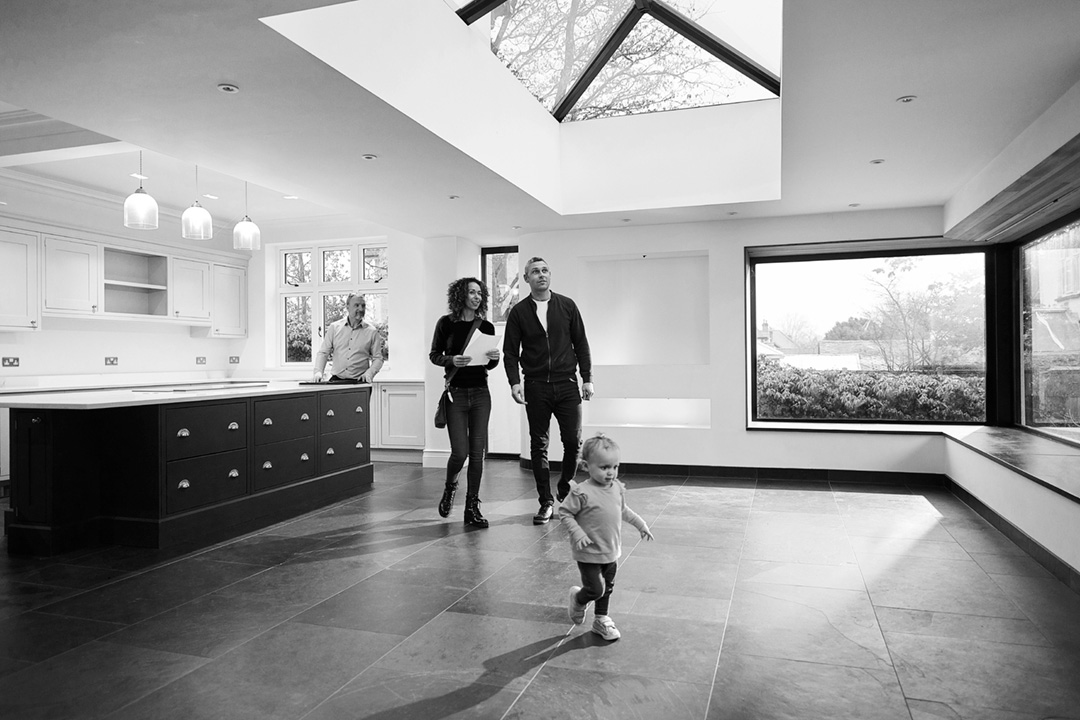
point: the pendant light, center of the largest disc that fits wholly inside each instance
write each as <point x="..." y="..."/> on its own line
<point x="140" y="210"/>
<point x="196" y="223"/>
<point x="246" y="235"/>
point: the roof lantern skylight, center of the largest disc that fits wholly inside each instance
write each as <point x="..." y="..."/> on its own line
<point x="585" y="59"/>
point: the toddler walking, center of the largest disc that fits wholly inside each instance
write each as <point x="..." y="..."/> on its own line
<point x="593" y="513"/>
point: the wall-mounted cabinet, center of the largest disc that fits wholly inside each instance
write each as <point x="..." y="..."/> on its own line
<point x="20" y="306"/>
<point x="72" y="276"/>
<point x="191" y="291"/>
<point x="135" y="283"/>
<point x="229" y="313"/>
<point x="88" y="278"/>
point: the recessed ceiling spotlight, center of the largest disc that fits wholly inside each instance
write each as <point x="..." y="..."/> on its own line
<point x="906" y="98"/>
<point x="455" y="197"/>
<point x="137" y="176"/>
<point x="878" y="161"/>
<point x="732" y="212"/>
<point x="626" y="219"/>
<point x="853" y="204"/>
<point x="516" y="227"/>
<point x="228" y="88"/>
<point x="290" y="197"/>
<point x="209" y="196"/>
<point x="369" y="156"/>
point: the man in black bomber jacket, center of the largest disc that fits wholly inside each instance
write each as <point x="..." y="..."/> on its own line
<point x="546" y="337"/>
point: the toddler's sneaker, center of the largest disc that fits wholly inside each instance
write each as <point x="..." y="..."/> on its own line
<point x="575" y="610"/>
<point x="605" y="628"/>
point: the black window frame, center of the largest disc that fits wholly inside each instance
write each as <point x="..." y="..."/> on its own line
<point x="1000" y="406"/>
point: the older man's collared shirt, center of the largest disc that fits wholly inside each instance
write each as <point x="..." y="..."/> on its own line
<point x="351" y="350"/>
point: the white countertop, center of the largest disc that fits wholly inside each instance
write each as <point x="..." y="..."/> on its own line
<point x="157" y="394"/>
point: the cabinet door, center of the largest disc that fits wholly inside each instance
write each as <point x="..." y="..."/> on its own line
<point x="401" y="415"/>
<point x="19" y="303"/>
<point x="72" y="275"/>
<point x="229" y="317"/>
<point x="190" y="289"/>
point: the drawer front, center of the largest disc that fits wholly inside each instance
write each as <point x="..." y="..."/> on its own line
<point x="284" y="462"/>
<point x="341" y="450"/>
<point x="204" y="480"/>
<point x="285" y="419"/>
<point x="344" y="410"/>
<point x="205" y="429"/>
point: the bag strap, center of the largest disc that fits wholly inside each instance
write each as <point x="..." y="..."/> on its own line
<point x="453" y="372"/>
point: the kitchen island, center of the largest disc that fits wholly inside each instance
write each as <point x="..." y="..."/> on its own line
<point x="179" y="465"/>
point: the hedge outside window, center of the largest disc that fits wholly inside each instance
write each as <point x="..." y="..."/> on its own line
<point x="884" y="338"/>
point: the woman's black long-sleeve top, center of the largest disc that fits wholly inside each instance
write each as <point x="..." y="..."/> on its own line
<point x="449" y="340"/>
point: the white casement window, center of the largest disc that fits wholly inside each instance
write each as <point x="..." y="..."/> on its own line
<point x="313" y="282"/>
<point x="1071" y="272"/>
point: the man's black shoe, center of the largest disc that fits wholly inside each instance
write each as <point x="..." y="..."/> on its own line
<point x="543" y="514"/>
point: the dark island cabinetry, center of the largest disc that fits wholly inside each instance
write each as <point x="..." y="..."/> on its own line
<point x="182" y="474"/>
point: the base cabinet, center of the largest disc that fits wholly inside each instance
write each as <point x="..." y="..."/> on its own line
<point x="182" y="475"/>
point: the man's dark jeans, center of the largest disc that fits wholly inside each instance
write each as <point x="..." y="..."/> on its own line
<point x="563" y="400"/>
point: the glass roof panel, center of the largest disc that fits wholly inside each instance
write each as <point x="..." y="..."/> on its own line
<point x="656" y="69"/>
<point x="547" y="44"/>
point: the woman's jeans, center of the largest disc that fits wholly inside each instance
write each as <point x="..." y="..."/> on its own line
<point x="467" y="425"/>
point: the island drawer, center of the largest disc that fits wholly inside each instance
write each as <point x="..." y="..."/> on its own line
<point x="205" y="429"/>
<point x="340" y="450"/>
<point x="204" y="480"/>
<point x="284" y="462"/>
<point x="343" y="410"/>
<point x="285" y="419"/>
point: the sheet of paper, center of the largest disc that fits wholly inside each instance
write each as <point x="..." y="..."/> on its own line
<point x="478" y="346"/>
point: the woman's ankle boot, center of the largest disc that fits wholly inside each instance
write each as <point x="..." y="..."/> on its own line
<point x="447" y="502"/>
<point x="472" y="512"/>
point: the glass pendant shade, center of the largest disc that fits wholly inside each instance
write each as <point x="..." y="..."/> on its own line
<point x="246" y="235"/>
<point x="140" y="211"/>
<point x="196" y="223"/>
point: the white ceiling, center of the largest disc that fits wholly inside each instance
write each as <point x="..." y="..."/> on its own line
<point x="146" y="74"/>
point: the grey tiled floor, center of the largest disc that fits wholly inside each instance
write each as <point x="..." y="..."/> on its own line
<point x="757" y="601"/>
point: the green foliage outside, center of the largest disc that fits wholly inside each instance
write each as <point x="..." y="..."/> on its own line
<point x="789" y="393"/>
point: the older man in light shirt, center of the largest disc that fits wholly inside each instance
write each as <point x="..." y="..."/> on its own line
<point x="354" y="346"/>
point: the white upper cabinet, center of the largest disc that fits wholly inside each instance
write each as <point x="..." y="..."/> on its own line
<point x="229" y="316"/>
<point x="72" y="275"/>
<point x="20" y="306"/>
<point x="190" y="290"/>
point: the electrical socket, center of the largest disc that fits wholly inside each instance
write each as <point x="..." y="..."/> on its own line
<point x="11" y="362"/>
<point x="109" y="360"/>
<point x="234" y="359"/>
<point x="200" y="360"/>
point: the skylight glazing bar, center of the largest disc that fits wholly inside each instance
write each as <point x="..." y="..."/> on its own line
<point x="477" y="9"/>
<point x="712" y="44"/>
<point x="597" y="63"/>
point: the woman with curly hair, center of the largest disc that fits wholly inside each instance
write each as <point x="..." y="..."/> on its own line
<point x="469" y="408"/>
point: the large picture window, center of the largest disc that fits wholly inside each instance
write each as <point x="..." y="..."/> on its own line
<point x="882" y="338"/>
<point x="314" y="282"/>
<point x="1050" y="325"/>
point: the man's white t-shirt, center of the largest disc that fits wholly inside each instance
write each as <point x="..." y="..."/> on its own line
<point x="541" y="312"/>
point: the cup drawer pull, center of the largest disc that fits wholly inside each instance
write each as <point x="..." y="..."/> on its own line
<point x="304" y="417"/>
<point x="234" y="473"/>
<point x="267" y="421"/>
<point x="359" y="446"/>
<point x="329" y="451"/>
<point x="184" y="485"/>
<point x="330" y="413"/>
<point x="268" y="465"/>
<point x="183" y="432"/>
<point x="359" y="408"/>
<point x="234" y="426"/>
<point x="304" y="457"/>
